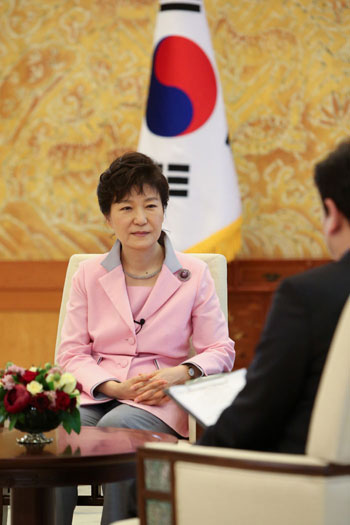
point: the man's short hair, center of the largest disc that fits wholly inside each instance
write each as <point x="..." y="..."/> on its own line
<point x="332" y="178"/>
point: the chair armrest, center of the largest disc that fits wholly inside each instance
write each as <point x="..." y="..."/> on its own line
<point x="213" y="454"/>
<point x="229" y="485"/>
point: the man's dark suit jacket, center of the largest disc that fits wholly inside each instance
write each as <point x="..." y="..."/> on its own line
<point x="273" y="410"/>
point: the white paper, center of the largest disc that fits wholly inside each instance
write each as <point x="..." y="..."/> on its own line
<point x="206" y="397"/>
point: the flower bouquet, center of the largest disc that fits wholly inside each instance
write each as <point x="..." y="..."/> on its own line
<point x="37" y="399"/>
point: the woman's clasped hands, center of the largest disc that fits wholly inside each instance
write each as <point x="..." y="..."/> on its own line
<point x="150" y="390"/>
<point x="147" y="389"/>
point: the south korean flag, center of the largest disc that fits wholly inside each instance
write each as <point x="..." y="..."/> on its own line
<point x="185" y="131"/>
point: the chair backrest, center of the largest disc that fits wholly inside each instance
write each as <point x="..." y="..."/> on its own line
<point x="329" y="433"/>
<point x="216" y="263"/>
<point x="72" y="267"/>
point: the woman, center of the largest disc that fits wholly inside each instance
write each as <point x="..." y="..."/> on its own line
<point x="131" y="313"/>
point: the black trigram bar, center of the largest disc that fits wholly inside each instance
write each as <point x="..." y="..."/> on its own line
<point x="178" y="193"/>
<point x="178" y="167"/>
<point x="177" y="6"/>
<point x="178" y="179"/>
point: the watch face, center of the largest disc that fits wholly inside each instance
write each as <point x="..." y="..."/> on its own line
<point x="190" y="371"/>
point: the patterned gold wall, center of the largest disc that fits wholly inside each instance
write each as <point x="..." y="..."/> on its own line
<point x="73" y="86"/>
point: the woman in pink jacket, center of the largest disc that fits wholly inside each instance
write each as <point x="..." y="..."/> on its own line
<point x="131" y="314"/>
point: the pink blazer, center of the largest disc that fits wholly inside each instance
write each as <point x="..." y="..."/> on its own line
<point x="99" y="342"/>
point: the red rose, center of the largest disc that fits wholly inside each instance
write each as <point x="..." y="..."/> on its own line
<point x="16" y="399"/>
<point x="79" y="386"/>
<point x="40" y="401"/>
<point x="62" y="400"/>
<point x="28" y="376"/>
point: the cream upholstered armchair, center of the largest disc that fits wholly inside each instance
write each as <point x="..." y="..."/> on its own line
<point x="183" y="484"/>
<point x="218" y="268"/>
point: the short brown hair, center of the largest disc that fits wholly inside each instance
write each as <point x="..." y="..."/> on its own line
<point x="131" y="170"/>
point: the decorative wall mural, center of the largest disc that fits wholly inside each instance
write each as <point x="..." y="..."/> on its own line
<point x="73" y="86"/>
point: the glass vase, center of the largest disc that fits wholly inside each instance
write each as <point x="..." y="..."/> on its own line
<point x="35" y="423"/>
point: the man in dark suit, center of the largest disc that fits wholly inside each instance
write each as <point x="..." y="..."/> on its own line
<point x="273" y="410"/>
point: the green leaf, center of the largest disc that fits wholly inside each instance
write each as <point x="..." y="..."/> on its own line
<point x="76" y="418"/>
<point x="71" y="421"/>
<point x="66" y="421"/>
<point x="66" y="427"/>
<point x="13" y="421"/>
<point x="40" y="378"/>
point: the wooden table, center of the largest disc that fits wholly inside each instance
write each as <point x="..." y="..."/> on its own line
<point x="96" y="455"/>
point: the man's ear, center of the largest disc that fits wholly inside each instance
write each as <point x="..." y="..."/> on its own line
<point x="333" y="219"/>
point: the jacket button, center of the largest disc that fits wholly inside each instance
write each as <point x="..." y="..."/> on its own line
<point x="131" y="340"/>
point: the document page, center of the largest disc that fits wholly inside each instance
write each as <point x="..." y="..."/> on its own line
<point x="206" y="397"/>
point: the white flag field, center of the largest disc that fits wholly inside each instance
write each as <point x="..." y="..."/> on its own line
<point x="185" y="131"/>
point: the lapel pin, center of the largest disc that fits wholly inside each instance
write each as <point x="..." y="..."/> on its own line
<point x="183" y="275"/>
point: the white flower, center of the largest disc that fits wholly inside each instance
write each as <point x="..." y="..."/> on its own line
<point x="33" y="368"/>
<point x="76" y="393"/>
<point x="34" y="388"/>
<point x="67" y="383"/>
<point x="53" y="378"/>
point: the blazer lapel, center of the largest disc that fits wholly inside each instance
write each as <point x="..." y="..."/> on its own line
<point x="113" y="284"/>
<point x="166" y="285"/>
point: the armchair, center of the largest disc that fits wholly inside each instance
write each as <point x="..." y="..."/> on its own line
<point x="183" y="484"/>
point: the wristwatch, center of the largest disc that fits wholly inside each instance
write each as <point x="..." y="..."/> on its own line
<point x="190" y="370"/>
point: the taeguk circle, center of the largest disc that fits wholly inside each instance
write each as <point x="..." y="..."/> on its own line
<point x="183" y="89"/>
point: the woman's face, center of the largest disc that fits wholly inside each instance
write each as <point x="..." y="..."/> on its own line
<point x="137" y="219"/>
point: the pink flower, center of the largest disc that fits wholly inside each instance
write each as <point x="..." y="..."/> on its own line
<point x="14" y="369"/>
<point x="17" y="399"/>
<point x="51" y="395"/>
<point x="8" y="382"/>
<point x="55" y="370"/>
